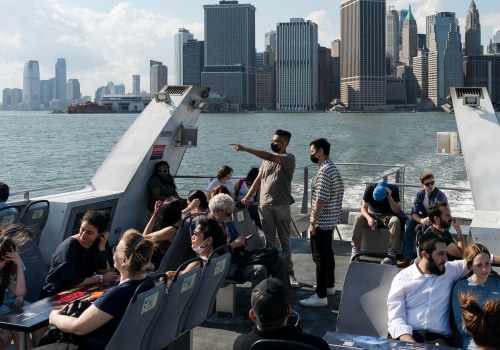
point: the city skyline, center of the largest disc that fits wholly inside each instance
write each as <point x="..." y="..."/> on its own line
<point x="113" y="40"/>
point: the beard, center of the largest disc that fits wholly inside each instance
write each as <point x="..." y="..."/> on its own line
<point x="434" y="268"/>
<point x="444" y="225"/>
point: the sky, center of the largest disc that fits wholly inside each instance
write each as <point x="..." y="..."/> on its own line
<point x="111" y="40"/>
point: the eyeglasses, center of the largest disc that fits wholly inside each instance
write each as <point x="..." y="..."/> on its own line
<point x="197" y="233"/>
<point x="429" y="183"/>
<point x="163" y="171"/>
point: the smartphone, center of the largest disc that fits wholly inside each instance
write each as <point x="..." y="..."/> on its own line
<point x="249" y="236"/>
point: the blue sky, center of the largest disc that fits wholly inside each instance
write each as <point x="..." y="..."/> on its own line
<point x="110" y="40"/>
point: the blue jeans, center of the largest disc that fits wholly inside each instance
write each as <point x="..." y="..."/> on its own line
<point x="409" y="238"/>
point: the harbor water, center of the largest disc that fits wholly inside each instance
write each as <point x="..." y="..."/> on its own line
<point x="41" y="150"/>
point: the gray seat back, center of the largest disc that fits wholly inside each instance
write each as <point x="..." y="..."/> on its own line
<point x="176" y="302"/>
<point x="138" y="318"/>
<point x="9" y="215"/>
<point x="244" y="226"/>
<point x="180" y="250"/>
<point x="363" y="305"/>
<point x="212" y="277"/>
<point x="34" y="218"/>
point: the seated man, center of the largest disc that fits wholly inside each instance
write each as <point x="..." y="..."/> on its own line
<point x="221" y="208"/>
<point x="441" y="219"/>
<point x="4" y="196"/>
<point x="427" y="195"/>
<point x="380" y="207"/>
<point x="270" y="312"/>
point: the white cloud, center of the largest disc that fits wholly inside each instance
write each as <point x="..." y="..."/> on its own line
<point x="325" y="27"/>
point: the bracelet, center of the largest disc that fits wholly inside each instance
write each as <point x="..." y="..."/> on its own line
<point x="101" y="279"/>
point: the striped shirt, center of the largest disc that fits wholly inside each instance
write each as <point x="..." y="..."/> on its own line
<point x="328" y="187"/>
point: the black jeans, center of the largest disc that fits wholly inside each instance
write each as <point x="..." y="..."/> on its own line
<point x="322" y="253"/>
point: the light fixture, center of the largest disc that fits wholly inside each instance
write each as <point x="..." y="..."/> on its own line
<point x="162" y="96"/>
<point x="200" y="104"/>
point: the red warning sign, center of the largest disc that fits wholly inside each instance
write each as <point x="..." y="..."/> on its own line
<point x="158" y="151"/>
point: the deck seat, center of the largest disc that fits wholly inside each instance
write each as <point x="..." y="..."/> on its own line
<point x="9" y="215"/>
<point x="34" y="218"/>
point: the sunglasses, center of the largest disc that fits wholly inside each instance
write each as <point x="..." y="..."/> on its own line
<point x="429" y="183"/>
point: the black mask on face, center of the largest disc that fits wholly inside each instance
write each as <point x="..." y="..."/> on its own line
<point x="313" y="158"/>
<point x="275" y="147"/>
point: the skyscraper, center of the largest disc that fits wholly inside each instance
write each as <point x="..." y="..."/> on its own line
<point x="193" y="53"/>
<point x="136" y="84"/>
<point x="158" y="76"/>
<point x="229" y="65"/>
<point x="335" y="50"/>
<point x="60" y="88"/>
<point x="180" y="39"/>
<point x="297" y="65"/>
<point x="73" y="91"/>
<point x="409" y="39"/>
<point x="362" y="32"/>
<point x="472" y="45"/>
<point x="392" y="37"/>
<point x="270" y="40"/>
<point x="31" y="86"/>
<point x="445" y="55"/>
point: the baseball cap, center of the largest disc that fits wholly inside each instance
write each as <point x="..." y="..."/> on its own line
<point x="379" y="193"/>
<point x="269" y="301"/>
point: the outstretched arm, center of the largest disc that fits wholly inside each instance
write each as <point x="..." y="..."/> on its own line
<point x="257" y="152"/>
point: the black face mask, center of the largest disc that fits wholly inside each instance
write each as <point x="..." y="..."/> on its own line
<point x="314" y="159"/>
<point x="275" y="147"/>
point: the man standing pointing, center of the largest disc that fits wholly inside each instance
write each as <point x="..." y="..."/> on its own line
<point x="275" y="183"/>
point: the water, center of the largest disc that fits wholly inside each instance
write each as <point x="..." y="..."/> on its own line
<point x="41" y="150"/>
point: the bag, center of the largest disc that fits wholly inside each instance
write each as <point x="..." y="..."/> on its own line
<point x="55" y="335"/>
<point x="260" y="256"/>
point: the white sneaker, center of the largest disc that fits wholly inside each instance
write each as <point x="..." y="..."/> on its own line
<point x="313" y="300"/>
<point x="388" y="261"/>
<point x="293" y="282"/>
<point x="329" y="291"/>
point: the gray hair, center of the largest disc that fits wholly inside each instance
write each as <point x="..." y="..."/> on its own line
<point x="220" y="202"/>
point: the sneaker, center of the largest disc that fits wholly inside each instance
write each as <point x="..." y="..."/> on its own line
<point x="329" y="291"/>
<point x="314" y="300"/>
<point x="354" y="251"/>
<point x="404" y="262"/>
<point x="293" y="282"/>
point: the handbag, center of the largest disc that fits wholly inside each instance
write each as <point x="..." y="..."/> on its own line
<point x="55" y="335"/>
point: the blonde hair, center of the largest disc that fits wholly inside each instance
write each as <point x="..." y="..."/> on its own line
<point x="139" y="251"/>
<point x="474" y="250"/>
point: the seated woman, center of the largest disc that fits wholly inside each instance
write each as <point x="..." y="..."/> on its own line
<point x="224" y="175"/>
<point x="79" y="257"/>
<point x="478" y="285"/>
<point x="197" y="204"/>
<point x="96" y="325"/>
<point x="160" y="185"/>
<point x="12" y="280"/>
<point x="483" y="322"/>
<point x="207" y="236"/>
<point x="163" y="226"/>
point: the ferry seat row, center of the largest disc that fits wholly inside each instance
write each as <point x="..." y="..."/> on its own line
<point x="33" y="217"/>
<point x="166" y="314"/>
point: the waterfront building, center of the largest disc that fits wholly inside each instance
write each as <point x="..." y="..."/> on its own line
<point x="100" y="92"/>
<point x="12" y="99"/>
<point x="129" y="103"/>
<point x="445" y="55"/>
<point x="31" y="85"/>
<point x="73" y="91"/>
<point x="60" y="92"/>
<point x="120" y="89"/>
<point x="421" y="74"/>
<point x="392" y="38"/>
<point x="136" y="84"/>
<point x="270" y="40"/>
<point x="325" y="77"/>
<point x="335" y="50"/>
<point x="472" y="45"/>
<point x="229" y="64"/>
<point x="193" y="55"/>
<point x="483" y="70"/>
<point x="46" y="92"/>
<point x="409" y="39"/>
<point x="158" y="76"/>
<point x="402" y="16"/>
<point x="362" y="32"/>
<point x="182" y="37"/>
<point x="297" y="65"/>
<point x="396" y="90"/>
<point x="265" y="80"/>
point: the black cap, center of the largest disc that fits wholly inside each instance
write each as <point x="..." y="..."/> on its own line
<point x="269" y="301"/>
